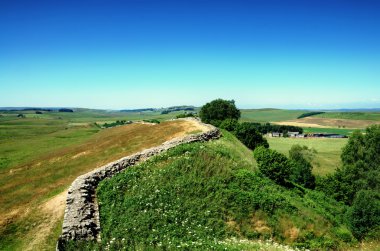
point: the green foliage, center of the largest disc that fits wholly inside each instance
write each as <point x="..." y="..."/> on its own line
<point x="200" y="196"/>
<point x="154" y="121"/>
<point x="267" y="127"/>
<point x="308" y="114"/>
<point x="361" y="167"/>
<point x="218" y="110"/>
<point x="302" y="172"/>
<point x="185" y="115"/>
<point x="364" y="214"/>
<point x="229" y="124"/>
<point x="117" y="123"/>
<point x="249" y="136"/>
<point x="274" y="165"/>
<point x="354" y="150"/>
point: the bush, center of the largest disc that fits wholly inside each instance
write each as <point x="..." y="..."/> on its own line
<point x="274" y="165"/>
<point x="185" y="115"/>
<point x="154" y="121"/>
<point x="229" y="124"/>
<point x="302" y="172"/>
<point x="364" y="214"/>
<point x="361" y="167"/>
<point x="249" y="136"/>
<point x="218" y="110"/>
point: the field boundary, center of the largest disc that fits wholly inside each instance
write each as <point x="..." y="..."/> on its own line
<point x="81" y="219"/>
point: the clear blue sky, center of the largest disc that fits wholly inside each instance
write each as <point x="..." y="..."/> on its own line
<point x="151" y="53"/>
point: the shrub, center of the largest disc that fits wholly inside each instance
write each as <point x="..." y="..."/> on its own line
<point x="185" y="115"/>
<point x="302" y="172"/>
<point x="249" y="136"/>
<point x="364" y="214"/>
<point x="361" y="167"/>
<point x="274" y="165"/>
<point x="154" y="121"/>
<point x="229" y="124"/>
<point x="218" y="110"/>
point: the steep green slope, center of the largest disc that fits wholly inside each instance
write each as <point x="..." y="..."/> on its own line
<point x="210" y="196"/>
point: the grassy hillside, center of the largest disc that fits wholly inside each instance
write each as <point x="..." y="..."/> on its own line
<point x="269" y="115"/>
<point x="351" y="115"/>
<point x="327" y="158"/>
<point x="206" y="196"/>
<point x="41" y="157"/>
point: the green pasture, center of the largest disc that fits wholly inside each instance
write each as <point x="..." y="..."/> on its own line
<point x="351" y="115"/>
<point x="269" y="115"/>
<point x="342" y="131"/>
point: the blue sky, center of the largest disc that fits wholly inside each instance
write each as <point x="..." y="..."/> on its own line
<point x="151" y="53"/>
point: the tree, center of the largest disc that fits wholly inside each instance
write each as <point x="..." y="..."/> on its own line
<point x="364" y="214"/>
<point x="361" y="167"/>
<point x="302" y="171"/>
<point x="249" y="136"/>
<point x="274" y="165"/>
<point x="229" y="124"/>
<point x="218" y="110"/>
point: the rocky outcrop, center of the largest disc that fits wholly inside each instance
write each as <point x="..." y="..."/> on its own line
<point x="81" y="220"/>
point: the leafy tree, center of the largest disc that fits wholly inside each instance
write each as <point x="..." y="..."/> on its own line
<point x="302" y="172"/>
<point x="229" y="124"/>
<point x="364" y="214"/>
<point x="361" y="167"/>
<point x="274" y="165"/>
<point x="249" y="136"/>
<point x="218" y="110"/>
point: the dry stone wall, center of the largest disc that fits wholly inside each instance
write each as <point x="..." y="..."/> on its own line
<point x="81" y="219"/>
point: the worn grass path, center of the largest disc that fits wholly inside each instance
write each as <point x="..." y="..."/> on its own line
<point x="32" y="194"/>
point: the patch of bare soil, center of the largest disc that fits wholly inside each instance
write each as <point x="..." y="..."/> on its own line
<point x="52" y="212"/>
<point x="300" y="124"/>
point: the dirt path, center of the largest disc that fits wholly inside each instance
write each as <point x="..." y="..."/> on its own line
<point x="52" y="212"/>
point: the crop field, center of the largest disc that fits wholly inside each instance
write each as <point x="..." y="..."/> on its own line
<point x="327" y="158"/>
<point x="329" y="122"/>
<point x="40" y="157"/>
<point x="335" y="123"/>
<point x="269" y="115"/>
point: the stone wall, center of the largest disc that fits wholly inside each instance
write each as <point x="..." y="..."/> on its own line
<point x="81" y="219"/>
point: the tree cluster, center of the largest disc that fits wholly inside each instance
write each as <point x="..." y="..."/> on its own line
<point x="357" y="182"/>
<point x="218" y="110"/>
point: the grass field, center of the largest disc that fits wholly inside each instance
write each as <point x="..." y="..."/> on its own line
<point x="327" y="158"/>
<point x="341" y="131"/>
<point x="269" y="115"/>
<point x="40" y="157"/>
<point x="351" y="115"/>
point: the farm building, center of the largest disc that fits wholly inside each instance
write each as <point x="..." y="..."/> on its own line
<point x="293" y="134"/>
<point x="276" y="134"/>
<point x="326" y="135"/>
